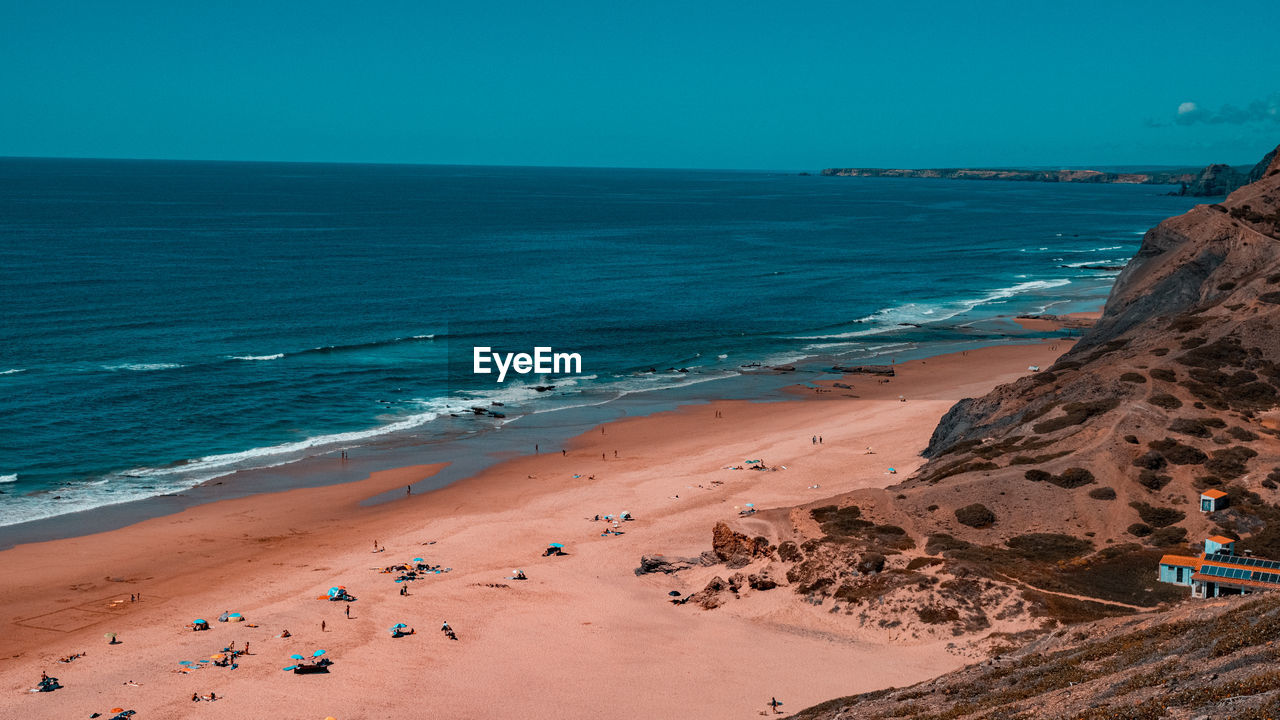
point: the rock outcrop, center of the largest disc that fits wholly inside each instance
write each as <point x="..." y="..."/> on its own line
<point x="737" y="549"/>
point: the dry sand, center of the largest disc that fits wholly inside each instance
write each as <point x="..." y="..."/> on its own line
<point x="583" y="637"/>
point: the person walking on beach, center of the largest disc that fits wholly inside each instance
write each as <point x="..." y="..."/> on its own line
<point x="563" y="453"/>
<point x="773" y="703"/>
<point x="535" y="448"/>
<point x="348" y="610"/>
<point x="814" y="441"/>
<point x="408" y="489"/>
<point x="322" y="626"/>
<point x="819" y="439"/>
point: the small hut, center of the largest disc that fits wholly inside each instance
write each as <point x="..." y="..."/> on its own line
<point x="1212" y="501"/>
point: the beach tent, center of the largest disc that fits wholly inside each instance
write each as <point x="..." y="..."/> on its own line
<point x="235" y="617"/>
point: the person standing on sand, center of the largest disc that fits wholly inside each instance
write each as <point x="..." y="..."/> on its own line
<point x="773" y="703"/>
<point x="408" y="489"/>
<point x="535" y="448"/>
<point x="348" y="610"/>
<point x="563" y="453"/>
<point x="321" y="626"/>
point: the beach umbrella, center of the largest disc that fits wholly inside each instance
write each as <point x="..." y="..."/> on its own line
<point x="397" y="626"/>
<point x="296" y="657"/>
<point x="751" y="504"/>
<point x="117" y="710"/>
<point x="109" y="636"/>
<point x="557" y="545"/>
<point x="317" y="653"/>
<point x="291" y="667"/>
<point x="198" y="620"/>
<point x="418" y="560"/>
<point x="219" y="656"/>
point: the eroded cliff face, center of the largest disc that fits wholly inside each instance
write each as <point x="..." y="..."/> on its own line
<point x="1209" y="277"/>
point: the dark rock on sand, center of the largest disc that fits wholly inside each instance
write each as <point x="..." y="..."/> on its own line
<point x="662" y="564"/>
<point x="865" y="370"/>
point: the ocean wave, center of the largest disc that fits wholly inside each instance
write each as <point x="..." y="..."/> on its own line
<point x="368" y="345"/>
<point x="277" y="356"/>
<point x="143" y="367"/>
<point x="12" y="477"/>
<point x="1118" y="262"/>
<point x="14" y="371"/>
<point x="889" y="318"/>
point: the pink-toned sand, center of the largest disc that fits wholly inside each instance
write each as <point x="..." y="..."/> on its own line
<point x="583" y="637"/>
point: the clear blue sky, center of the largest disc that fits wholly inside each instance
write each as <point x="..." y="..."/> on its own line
<point x="739" y="84"/>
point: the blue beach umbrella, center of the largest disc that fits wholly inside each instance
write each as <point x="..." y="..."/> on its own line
<point x="751" y="504"/>
<point x="287" y="669"/>
<point x="557" y="545"/>
<point x="185" y="662"/>
<point x="418" y="560"/>
<point x="296" y="657"/>
<point x="198" y="620"/>
<point x="317" y="653"/>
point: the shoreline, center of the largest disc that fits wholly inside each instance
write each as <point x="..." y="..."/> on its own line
<point x="581" y="632"/>
<point x="487" y="446"/>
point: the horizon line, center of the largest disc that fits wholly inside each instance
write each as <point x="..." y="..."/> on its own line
<point x="792" y="171"/>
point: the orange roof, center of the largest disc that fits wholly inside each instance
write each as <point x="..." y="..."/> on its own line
<point x="1220" y="539"/>
<point x="1213" y="494"/>
<point x="1181" y="561"/>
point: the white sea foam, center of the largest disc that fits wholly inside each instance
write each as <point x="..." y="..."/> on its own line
<point x="142" y="367"/>
<point x="277" y="356"/>
<point x="13" y="477"/>
<point x="1116" y="262"/>
<point x="916" y="313"/>
<point x="14" y="371"/>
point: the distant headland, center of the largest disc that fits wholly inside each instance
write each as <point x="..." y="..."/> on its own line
<point x="1211" y="181"/>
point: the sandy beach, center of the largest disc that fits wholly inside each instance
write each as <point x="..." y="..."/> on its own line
<point x="582" y="637"/>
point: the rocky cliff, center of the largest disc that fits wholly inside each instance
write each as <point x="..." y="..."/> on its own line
<point x="1061" y="490"/>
